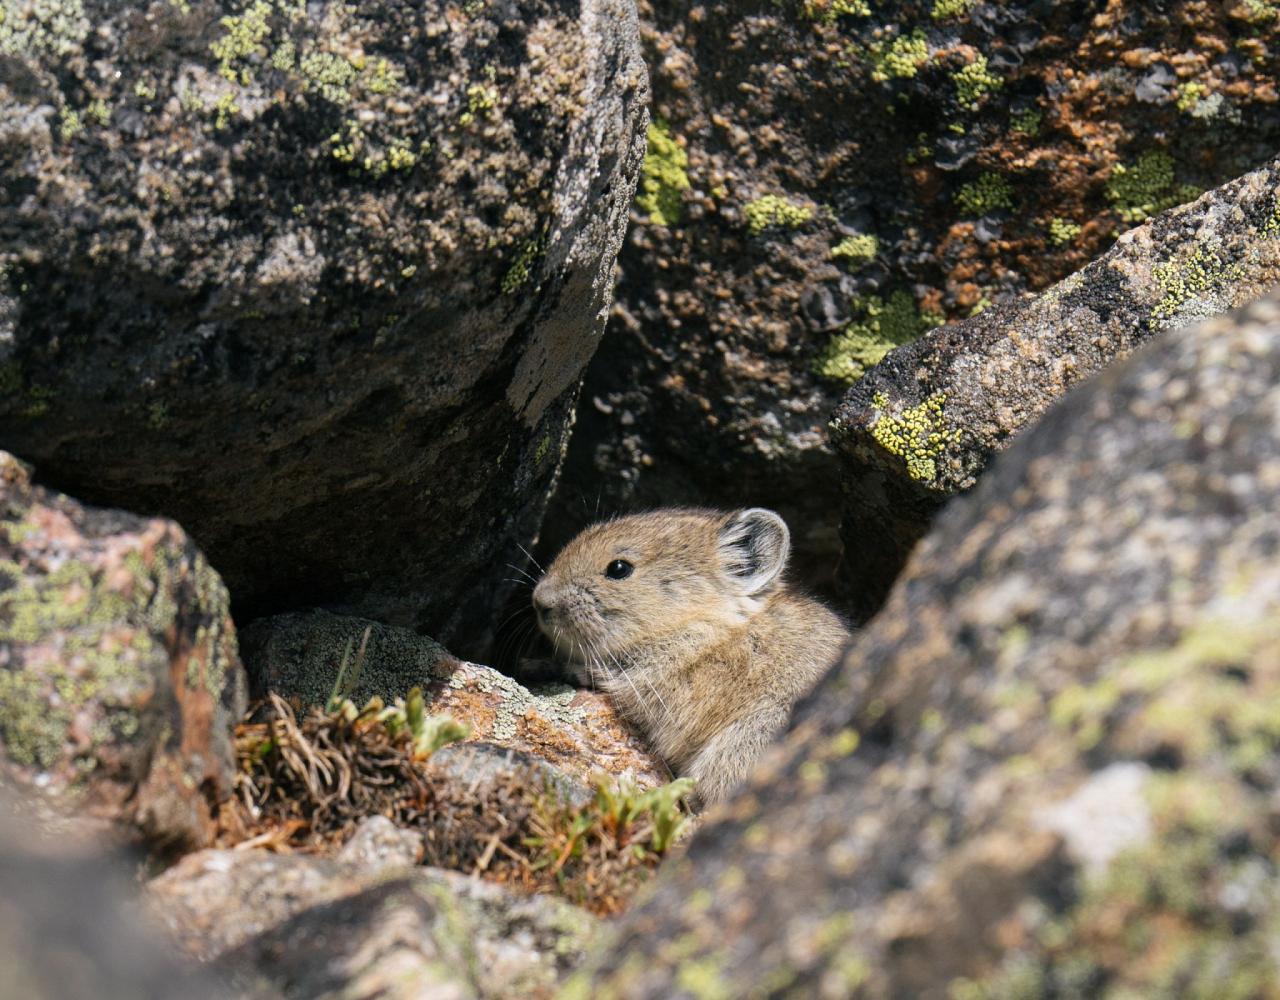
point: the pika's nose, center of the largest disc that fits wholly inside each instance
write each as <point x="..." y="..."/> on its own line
<point x="542" y="600"/>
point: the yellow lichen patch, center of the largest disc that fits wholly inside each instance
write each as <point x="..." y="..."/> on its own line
<point x="1206" y="269"/>
<point x="918" y="434"/>
<point x="663" y="178"/>
<point x="773" y="210"/>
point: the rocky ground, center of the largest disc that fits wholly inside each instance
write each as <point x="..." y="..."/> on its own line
<point x="296" y="300"/>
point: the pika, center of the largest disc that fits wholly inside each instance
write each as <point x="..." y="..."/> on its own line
<point x="683" y="618"/>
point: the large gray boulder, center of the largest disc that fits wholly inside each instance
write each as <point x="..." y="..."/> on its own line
<point x="316" y="279"/>
<point x="1050" y="765"/>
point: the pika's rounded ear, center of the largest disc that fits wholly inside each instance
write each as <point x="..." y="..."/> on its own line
<point x="754" y="545"/>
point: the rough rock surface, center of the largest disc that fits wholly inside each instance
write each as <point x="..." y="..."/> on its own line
<point x="576" y="731"/>
<point x="119" y="677"/>
<point x="255" y="911"/>
<point x="923" y="424"/>
<point x="1049" y="767"/>
<point x="316" y="280"/>
<point x="68" y="929"/>
<point x="835" y="176"/>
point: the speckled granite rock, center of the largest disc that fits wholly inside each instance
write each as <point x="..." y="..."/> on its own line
<point x="317" y="280"/>
<point x="119" y="677"/>
<point x="925" y="422"/>
<point x="577" y="732"/>
<point x="1050" y="766"/>
<point x="829" y="178"/>
<point x="254" y="912"/>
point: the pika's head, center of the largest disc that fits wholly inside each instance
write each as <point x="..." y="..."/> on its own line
<point x="623" y="583"/>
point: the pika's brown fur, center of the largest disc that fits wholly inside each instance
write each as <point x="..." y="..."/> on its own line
<point x="683" y="617"/>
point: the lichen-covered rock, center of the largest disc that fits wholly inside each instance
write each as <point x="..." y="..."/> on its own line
<point x="317" y="280"/>
<point x="69" y="929"/>
<point x="924" y="424"/>
<point x="253" y="910"/>
<point x="119" y="677"/>
<point x="577" y="732"/>
<point x="1051" y="765"/>
<point x="827" y="179"/>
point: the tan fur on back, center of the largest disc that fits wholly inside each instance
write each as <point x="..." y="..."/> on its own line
<point x="708" y="672"/>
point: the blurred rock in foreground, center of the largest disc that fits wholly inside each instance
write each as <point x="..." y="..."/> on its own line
<point x="1049" y="767"/>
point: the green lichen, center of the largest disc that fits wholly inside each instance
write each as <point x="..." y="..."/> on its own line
<point x="774" y="210"/>
<point x="244" y="36"/>
<point x="69" y="123"/>
<point x="988" y="193"/>
<point x="1063" y="231"/>
<point x="826" y="11"/>
<point x="224" y="110"/>
<point x="1204" y="270"/>
<point x="1190" y="94"/>
<point x="975" y="82"/>
<point x="42" y="27"/>
<point x="856" y="249"/>
<point x="385" y="77"/>
<point x="98" y="112"/>
<point x="918" y="435"/>
<point x="951" y="8"/>
<point x="1271" y="227"/>
<point x="105" y="655"/>
<point x="1028" y="122"/>
<point x="663" y="178"/>
<point x="900" y="58"/>
<point x="522" y="268"/>
<point x="1147" y="187"/>
<point x="481" y="100"/>
<point x="329" y="75"/>
<point x="863" y="343"/>
<point x="284" y="56"/>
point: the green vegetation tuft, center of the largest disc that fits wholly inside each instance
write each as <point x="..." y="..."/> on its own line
<point x="988" y="193"/>
<point x="862" y="344"/>
<point x="663" y="179"/>
<point x="773" y="210"/>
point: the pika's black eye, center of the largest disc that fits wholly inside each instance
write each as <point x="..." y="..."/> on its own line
<point x="619" y="569"/>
